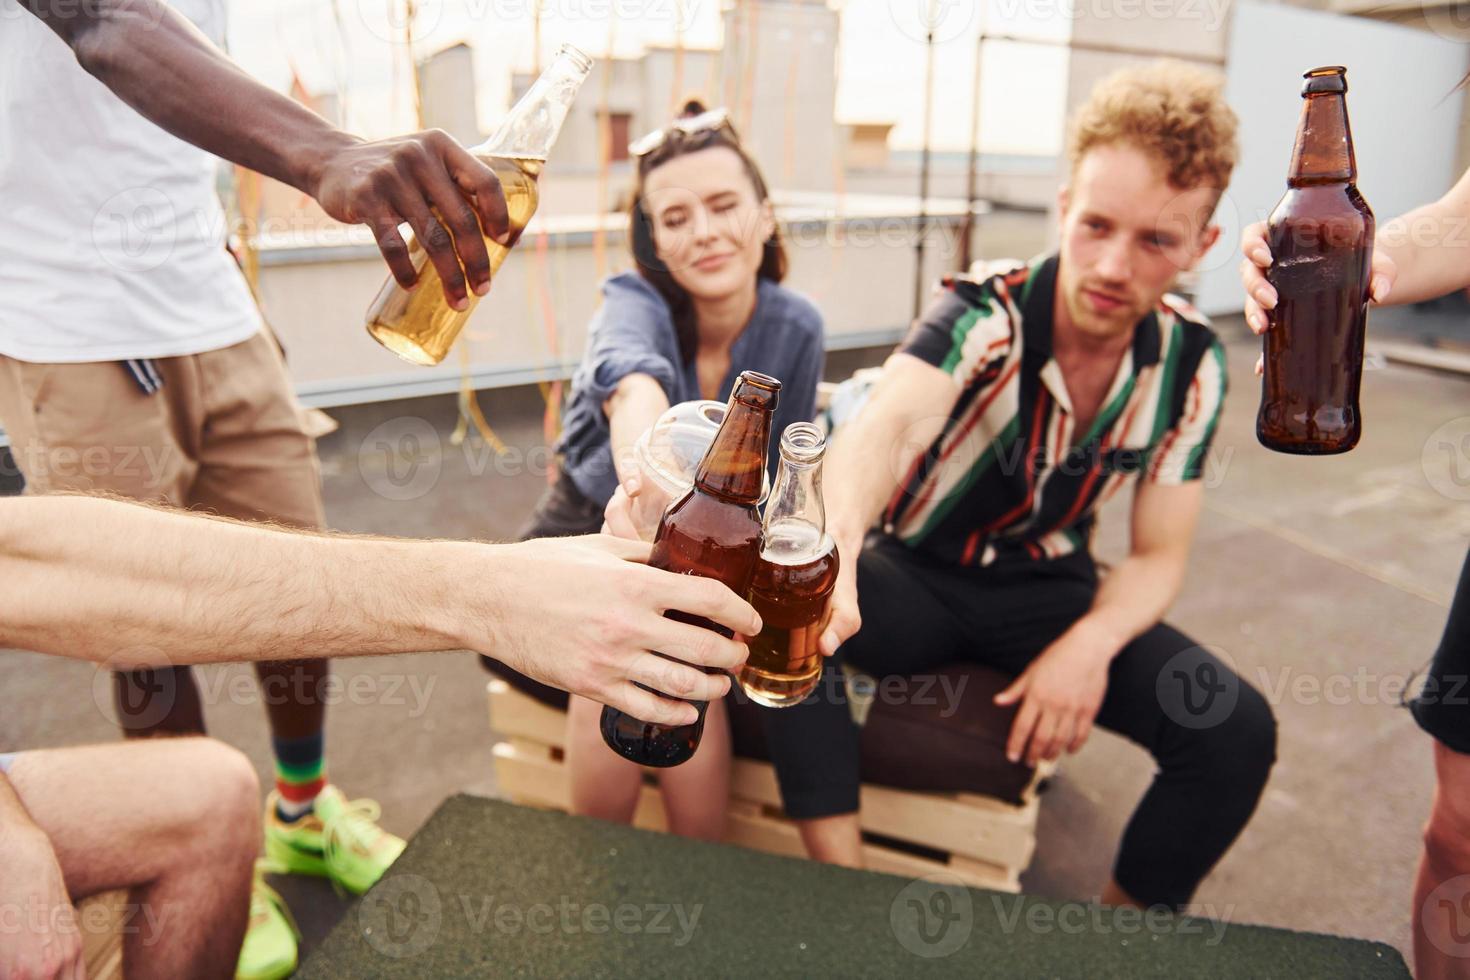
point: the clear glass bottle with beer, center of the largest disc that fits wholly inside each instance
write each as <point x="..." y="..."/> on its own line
<point x="713" y="530"/>
<point x="418" y="324"/>
<point x="1321" y="241"/>
<point x="794" y="578"/>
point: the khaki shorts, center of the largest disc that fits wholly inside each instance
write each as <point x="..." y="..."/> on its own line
<point x="224" y="434"/>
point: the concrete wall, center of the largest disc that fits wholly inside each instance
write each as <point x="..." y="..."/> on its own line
<point x="447" y="92"/>
<point x="858" y="268"/>
<point x="779" y="74"/>
<point x="1111" y="34"/>
<point x="667" y="83"/>
<point x="1448" y="20"/>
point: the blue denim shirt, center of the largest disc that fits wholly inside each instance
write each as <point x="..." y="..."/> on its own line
<point x="633" y="333"/>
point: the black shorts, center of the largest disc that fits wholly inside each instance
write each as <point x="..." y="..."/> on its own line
<point x="1443" y="707"/>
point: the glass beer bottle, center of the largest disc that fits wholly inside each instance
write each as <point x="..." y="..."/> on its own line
<point x="418" y="324"/>
<point x="794" y="578"/>
<point x="713" y="530"/>
<point x="1321" y="241"/>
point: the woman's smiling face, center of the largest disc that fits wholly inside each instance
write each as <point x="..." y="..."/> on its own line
<point x="709" y="226"/>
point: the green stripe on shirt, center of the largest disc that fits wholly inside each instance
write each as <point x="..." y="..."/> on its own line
<point x="941" y="510"/>
<point x="1194" y="465"/>
<point x="960" y="331"/>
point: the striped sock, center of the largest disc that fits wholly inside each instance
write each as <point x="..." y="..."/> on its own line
<point x="300" y="773"/>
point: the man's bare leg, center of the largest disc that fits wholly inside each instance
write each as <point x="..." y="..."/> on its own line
<point x="835" y="840"/>
<point x="174" y="821"/>
<point x="1442" y="890"/>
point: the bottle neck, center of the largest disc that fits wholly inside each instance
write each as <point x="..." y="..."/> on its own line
<point x="534" y="122"/>
<point x="1324" y="143"/>
<point x="797" y="496"/>
<point x="734" y="467"/>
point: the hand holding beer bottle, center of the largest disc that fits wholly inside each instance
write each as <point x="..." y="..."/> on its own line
<point x="420" y="324"/>
<point x="714" y="530"/>
<point x="1261" y="296"/>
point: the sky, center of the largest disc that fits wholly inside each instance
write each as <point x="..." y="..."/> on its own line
<point x="357" y="46"/>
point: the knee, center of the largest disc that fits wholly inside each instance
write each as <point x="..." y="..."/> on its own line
<point x="222" y="793"/>
<point x="1241" y="748"/>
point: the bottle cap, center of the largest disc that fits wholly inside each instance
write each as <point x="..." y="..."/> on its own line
<point x="1327" y="79"/>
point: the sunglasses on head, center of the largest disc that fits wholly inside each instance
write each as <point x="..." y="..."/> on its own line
<point x="713" y="121"/>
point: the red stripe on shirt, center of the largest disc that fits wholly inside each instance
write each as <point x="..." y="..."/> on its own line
<point x="927" y="490"/>
<point x="1096" y="471"/>
<point x="1036" y="430"/>
<point x="971" y="543"/>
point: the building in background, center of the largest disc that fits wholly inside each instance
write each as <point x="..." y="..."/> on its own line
<point x="447" y="88"/>
<point x="776" y="74"/>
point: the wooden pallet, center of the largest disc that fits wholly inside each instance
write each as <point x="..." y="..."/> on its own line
<point x="99" y="917"/>
<point x="982" y="841"/>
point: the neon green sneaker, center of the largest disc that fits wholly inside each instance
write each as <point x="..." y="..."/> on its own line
<point x="339" y="839"/>
<point x="269" y="949"/>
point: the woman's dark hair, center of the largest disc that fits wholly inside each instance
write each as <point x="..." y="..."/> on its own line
<point x="640" y="226"/>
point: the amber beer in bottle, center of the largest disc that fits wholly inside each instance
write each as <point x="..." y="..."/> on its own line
<point x="418" y="324"/>
<point x="713" y="530"/>
<point x="1321" y="240"/>
<point x="794" y="578"/>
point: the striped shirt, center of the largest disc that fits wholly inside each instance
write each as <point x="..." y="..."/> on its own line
<point x="1009" y="477"/>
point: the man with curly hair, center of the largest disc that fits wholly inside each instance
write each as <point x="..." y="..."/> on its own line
<point x="1024" y="397"/>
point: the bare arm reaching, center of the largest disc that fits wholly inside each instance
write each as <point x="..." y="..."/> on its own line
<point x="631" y="410"/>
<point x="866" y="465"/>
<point x="135" y="586"/>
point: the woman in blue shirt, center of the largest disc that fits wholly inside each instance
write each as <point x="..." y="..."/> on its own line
<point x="704" y="304"/>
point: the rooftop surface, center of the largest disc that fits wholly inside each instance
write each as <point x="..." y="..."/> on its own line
<point x="1325" y="580"/>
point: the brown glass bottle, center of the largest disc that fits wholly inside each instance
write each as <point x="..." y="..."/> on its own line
<point x="1321" y="240"/>
<point x="714" y="530"/>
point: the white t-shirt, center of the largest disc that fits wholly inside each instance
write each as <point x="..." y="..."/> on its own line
<point x="111" y="231"/>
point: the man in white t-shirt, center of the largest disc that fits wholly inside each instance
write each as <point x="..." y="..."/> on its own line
<point x="133" y="359"/>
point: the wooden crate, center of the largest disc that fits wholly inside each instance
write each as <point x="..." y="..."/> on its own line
<point x="982" y="841"/>
<point x="100" y="916"/>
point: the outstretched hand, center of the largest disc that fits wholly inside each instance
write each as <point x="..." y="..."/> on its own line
<point x="587" y="616"/>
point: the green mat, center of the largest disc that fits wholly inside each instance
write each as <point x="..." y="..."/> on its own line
<point x="487" y="888"/>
